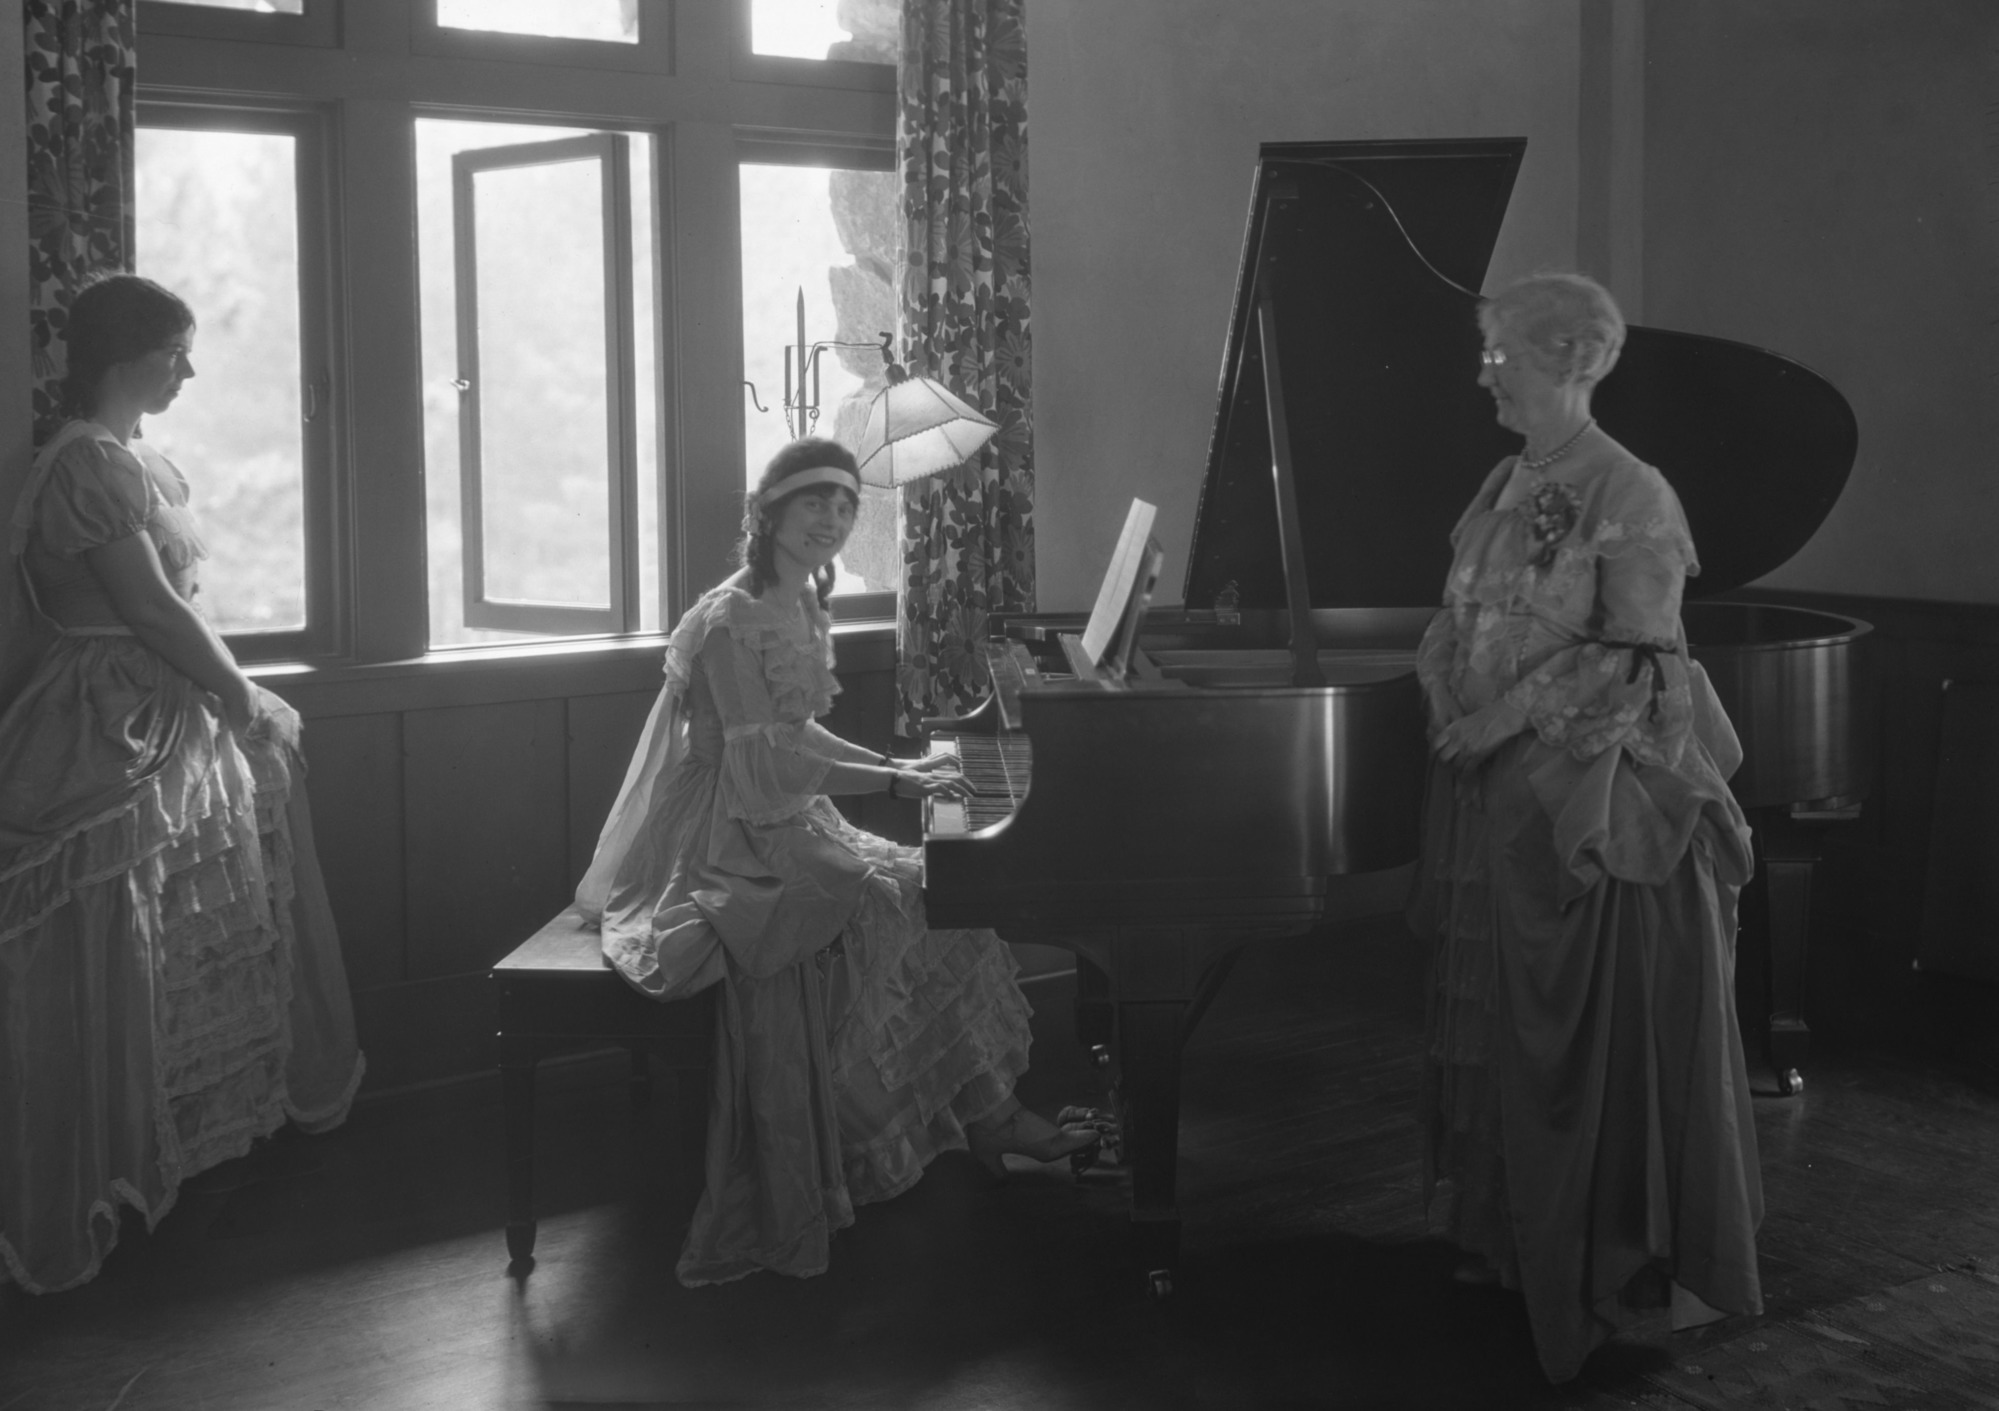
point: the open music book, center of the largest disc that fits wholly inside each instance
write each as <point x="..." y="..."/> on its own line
<point x="1112" y="634"/>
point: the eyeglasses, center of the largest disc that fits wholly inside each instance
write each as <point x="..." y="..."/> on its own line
<point x="1493" y="357"/>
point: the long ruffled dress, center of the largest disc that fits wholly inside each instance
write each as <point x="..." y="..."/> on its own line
<point x="170" y="978"/>
<point x="1585" y="1092"/>
<point x="854" y="1043"/>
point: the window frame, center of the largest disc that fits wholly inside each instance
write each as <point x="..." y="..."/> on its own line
<point x="653" y="53"/>
<point x="319" y="27"/>
<point x="326" y="524"/>
<point x="621" y="615"/>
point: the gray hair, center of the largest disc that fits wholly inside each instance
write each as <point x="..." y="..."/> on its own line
<point x="1568" y="323"/>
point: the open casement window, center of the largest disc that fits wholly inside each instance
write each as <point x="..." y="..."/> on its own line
<point x="542" y="244"/>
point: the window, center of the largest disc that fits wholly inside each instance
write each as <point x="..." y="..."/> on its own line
<point x="313" y="22"/>
<point x="821" y="251"/>
<point x="606" y="21"/>
<point x="863" y="31"/>
<point x="535" y="198"/>
<point x="537" y="278"/>
<point x="603" y="34"/>
<point x="262" y="7"/>
<point x="228" y="215"/>
<point x="825" y="43"/>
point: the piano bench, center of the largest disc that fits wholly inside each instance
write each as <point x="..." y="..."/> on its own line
<point x="556" y="992"/>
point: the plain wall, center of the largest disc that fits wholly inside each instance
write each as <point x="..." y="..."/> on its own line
<point x="1818" y="181"/>
<point x="1144" y="123"/>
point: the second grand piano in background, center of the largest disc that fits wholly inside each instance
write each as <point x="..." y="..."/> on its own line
<point x="1212" y="801"/>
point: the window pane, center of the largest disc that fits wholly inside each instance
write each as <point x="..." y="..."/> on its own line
<point x="835" y="236"/>
<point x="543" y="442"/>
<point x="540" y="242"/>
<point x="865" y="31"/>
<point x="218" y="224"/>
<point x="262" y="7"/>
<point x="614" y="21"/>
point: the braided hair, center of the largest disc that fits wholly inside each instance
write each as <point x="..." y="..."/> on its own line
<point x="115" y="319"/>
<point x="757" y="549"/>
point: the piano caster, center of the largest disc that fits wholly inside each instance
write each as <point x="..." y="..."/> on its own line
<point x="1792" y="1083"/>
<point x="1159" y="1283"/>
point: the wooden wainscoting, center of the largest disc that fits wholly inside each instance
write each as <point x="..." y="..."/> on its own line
<point x="457" y="802"/>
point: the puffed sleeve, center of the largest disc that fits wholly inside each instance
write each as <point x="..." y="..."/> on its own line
<point x="97" y="492"/>
<point x="767" y="764"/>
<point x="1629" y="685"/>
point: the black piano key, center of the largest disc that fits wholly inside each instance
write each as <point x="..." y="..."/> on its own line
<point x="997" y="768"/>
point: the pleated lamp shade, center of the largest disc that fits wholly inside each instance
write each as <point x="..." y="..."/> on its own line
<point x="917" y="427"/>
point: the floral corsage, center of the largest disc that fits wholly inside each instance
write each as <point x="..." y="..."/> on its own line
<point x="1552" y="511"/>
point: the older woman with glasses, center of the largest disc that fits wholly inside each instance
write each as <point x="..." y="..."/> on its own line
<point x="1585" y="1094"/>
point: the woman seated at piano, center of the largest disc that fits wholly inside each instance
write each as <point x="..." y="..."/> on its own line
<point x="855" y="1043"/>
<point x="1585" y="1094"/>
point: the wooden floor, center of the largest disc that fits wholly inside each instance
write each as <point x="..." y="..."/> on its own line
<point x="366" y="1269"/>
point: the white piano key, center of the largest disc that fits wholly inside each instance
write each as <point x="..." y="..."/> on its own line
<point x="947" y="816"/>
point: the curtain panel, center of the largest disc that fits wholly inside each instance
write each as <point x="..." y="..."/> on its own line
<point x="82" y="62"/>
<point x="968" y="535"/>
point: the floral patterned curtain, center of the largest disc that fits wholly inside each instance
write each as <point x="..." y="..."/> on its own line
<point x="968" y="535"/>
<point x="82" y="89"/>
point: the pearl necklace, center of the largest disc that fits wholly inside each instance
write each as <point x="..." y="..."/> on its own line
<point x="1542" y="462"/>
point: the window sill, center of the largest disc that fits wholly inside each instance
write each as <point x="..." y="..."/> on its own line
<point x="473" y="676"/>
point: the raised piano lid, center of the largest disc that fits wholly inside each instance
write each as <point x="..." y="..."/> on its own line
<point x="1391" y="433"/>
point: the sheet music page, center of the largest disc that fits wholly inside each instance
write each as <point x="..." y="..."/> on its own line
<point x="1119" y="580"/>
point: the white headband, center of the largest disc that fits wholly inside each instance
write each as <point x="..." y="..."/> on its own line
<point x="817" y="475"/>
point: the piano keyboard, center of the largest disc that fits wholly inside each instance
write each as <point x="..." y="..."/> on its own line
<point x="998" y="769"/>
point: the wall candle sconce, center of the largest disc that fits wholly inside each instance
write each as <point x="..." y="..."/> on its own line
<point x="916" y="426"/>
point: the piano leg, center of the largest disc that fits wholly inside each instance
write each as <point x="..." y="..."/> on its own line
<point x="1149" y="1040"/>
<point x="1785" y="860"/>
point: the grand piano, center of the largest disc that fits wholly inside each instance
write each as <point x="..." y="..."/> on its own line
<point x="1265" y="757"/>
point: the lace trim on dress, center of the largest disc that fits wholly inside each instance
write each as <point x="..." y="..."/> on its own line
<point x="797" y="649"/>
<point x="1597" y="696"/>
<point x="797" y="652"/>
<point x="220" y="914"/>
<point x="1504" y="577"/>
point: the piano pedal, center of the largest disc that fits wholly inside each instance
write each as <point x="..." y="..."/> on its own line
<point x="1159" y="1283"/>
<point x="1105" y="1125"/>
